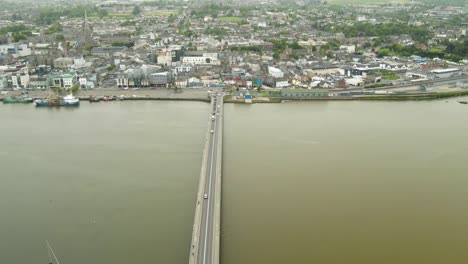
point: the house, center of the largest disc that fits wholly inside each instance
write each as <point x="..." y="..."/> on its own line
<point x="181" y="81"/>
<point x="63" y="63"/>
<point x="37" y="82"/>
<point x="107" y="50"/>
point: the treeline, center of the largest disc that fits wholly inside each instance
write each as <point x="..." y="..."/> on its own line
<point x="216" y="31"/>
<point x="19" y="32"/>
<point x="364" y="29"/>
<point x="13" y="28"/>
<point x="454" y="51"/>
<point x="280" y="45"/>
<point x="48" y="16"/>
<point x="54" y="28"/>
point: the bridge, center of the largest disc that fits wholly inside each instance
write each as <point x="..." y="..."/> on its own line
<point x="205" y="244"/>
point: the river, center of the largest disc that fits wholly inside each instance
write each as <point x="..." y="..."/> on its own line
<point x="345" y="183"/>
<point x="104" y="183"/>
<point x="303" y="182"/>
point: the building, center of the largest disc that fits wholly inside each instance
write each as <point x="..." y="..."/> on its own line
<point x="462" y="84"/>
<point x="122" y="81"/>
<point x="63" y="63"/>
<point x="37" y="82"/>
<point x="182" y="69"/>
<point x="275" y="72"/>
<point x="160" y="79"/>
<point x="447" y="73"/>
<point x="66" y="80"/>
<point x="107" y="50"/>
<point x="348" y="48"/>
<point x="19" y="80"/>
<point x="205" y="59"/>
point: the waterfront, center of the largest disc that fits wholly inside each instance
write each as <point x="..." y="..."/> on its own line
<point x="104" y="183"/>
<point x="345" y="182"/>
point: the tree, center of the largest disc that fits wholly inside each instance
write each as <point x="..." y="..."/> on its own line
<point x="60" y="37"/>
<point x="171" y="18"/>
<point x="136" y="11"/>
<point x="74" y="88"/>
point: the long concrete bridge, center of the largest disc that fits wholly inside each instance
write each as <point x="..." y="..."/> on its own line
<point x="205" y="244"/>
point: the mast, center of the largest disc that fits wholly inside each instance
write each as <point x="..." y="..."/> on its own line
<point x="51" y="254"/>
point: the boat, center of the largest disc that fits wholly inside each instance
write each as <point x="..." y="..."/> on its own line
<point x="107" y="99"/>
<point x="463" y="102"/>
<point x="68" y="100"/>
<point x="21" y="99"/>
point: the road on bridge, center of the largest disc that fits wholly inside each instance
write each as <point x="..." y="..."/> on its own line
<point x="206" y="246"/>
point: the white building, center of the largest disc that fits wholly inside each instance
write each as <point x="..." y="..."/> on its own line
<point x="447" y="73"/>
<point x="23" y="50"/>
<point x="206" y="59"/>
<point x="79" y="62"/>
<point x="5" y="49"/>
<point x="281" y="84"/>
<point x="348" y="48"/>
<point x="122" y="81"/>
<point x="275" y="72"/>
<point x="182" y="69"/>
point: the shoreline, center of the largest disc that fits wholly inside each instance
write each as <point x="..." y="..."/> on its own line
<point x="202" y="96"/>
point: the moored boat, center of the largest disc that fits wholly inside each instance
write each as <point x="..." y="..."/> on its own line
<point x="463" y="102"/>
<point x="68" y="100"/>
<point x="13" y="100"/>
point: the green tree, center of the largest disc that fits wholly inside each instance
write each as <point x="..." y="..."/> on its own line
<point x="60" y="37"/>
<point x="75" y="88"/>
<point x="136" y="11"/>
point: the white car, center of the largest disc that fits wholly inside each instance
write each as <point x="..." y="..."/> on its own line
<point x="211" y="131"/>
<point x="205" y="196"/>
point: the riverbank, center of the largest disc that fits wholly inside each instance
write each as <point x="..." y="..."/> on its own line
<point x="202" y="95"/>
<point x="389" y="97"/>
<point x="156" y="94"/>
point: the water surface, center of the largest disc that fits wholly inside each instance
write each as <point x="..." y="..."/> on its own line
<point x="104" y="183"/>
<point x="345" y="182"/>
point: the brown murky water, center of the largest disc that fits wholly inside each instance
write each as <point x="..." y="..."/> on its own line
<point x="346" y="182"/>
<point x="104" y="183"/>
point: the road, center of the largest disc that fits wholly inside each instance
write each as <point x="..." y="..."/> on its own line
<point x="208" y="222"/>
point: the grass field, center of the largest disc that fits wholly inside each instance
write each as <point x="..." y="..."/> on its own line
<point x="161" y="13"/>
<point x="230" y="19"/>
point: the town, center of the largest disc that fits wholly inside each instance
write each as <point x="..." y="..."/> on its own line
<point x="262" y="50"/>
